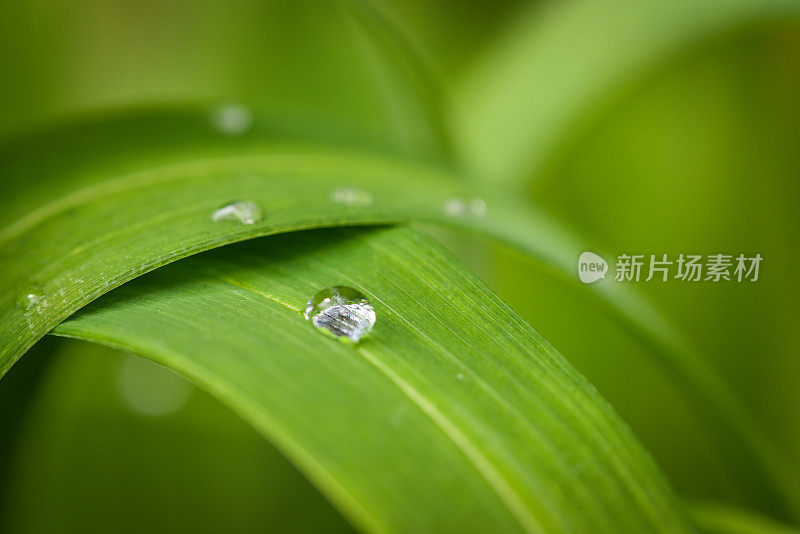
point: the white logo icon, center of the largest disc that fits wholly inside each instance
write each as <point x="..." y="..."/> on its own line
<point x="591" y="267"/>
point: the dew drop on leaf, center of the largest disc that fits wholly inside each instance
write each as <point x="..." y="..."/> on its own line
<point x="243" y="211"/>
<point x="232" y="119"/>
<point x="343" y="311"/>
<point x="32" y="302"/>
<point x="32" y="305"/>
<point x="459" y="207"/>
<point x="351" y="197"/>
<point x="150" y="389"/>
<point x="477" y="207"/>
<point x="454" y="207"/>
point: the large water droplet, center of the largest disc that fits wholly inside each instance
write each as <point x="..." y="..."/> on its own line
<point x="243" y="211"/>
<point x="232" y="119"/>
<point x="343" y="311"/>
<point x="351" y="197"/>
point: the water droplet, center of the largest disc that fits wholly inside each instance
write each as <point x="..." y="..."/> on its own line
<point x="351" y="197"/>
<point x="232" y="119"/>
<point x="32" y="305"/>
<point x="460" y="376"/>
<point x="150" y="389"/>
<point x="342" y="311"/>
<point x="32" y="302"/>
<point x="459" y="207"/>
<point x="477" y="207"/>
<point x="454" y="207"/>
<point x="243" y="211"/>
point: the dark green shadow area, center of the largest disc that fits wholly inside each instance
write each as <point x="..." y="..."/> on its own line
<point x="102" y="441"/>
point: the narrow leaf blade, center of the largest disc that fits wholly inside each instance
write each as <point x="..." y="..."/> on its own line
<point x="450" y="379"/>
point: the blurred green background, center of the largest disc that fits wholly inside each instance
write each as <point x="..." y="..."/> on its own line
<point x="697" y="153"/>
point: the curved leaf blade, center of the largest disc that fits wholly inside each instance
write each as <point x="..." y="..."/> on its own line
<point x="90" y="439"/>
<point x="450" y="379"/>
<point x="557" y="61"/>
<point x="106" y="206"/>
<point x="714" y="518"/>
<point x="146" y="219"/>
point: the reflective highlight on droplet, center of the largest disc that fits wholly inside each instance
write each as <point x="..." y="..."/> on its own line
<point x="342" y="311"/>
<point x="243" y="211"/>
<point x="460" y="207"/>
<point x="351" y="196"/>
<point x="232" y="119"/>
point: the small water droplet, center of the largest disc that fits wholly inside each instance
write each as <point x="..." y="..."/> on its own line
<point x="32" y="302"/>
<point x="342" y="311"/>
<point x="150" y="389"/>
<point x="460" y="376"/>
<point x="459" y="207"/>
<point x="32" y="305"/>
<point x="232" y="119"/>
<point x="454" y="207"/>
<point x="477" y="207"/>
<point x="243" y="211"/>
<point x="351" y="197"/>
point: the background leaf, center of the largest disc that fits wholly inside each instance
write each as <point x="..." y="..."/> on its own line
<point x="699" y="157"/>
<point x="721" y="519"/>
<point x="105" y="429"/>
<point x="555" y="65"/>
<point x="312" y="60"/>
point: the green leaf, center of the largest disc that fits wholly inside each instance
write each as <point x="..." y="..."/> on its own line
<point x="414" y="93"/>
<point x="726" y="519"/>
<point x="106" y="206"/>
<point x="557" y="62"/>
<point x="307" y="57"/>
<point x="104" y="429"/>
<point x="99" y="211"/>
<point x="452" y="398"/>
